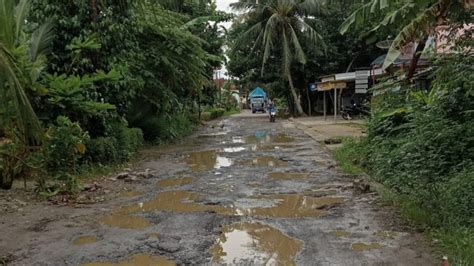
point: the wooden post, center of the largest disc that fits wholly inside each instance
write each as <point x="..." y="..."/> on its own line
<point x="324" y="102"/>
<point x="335" y="104"/>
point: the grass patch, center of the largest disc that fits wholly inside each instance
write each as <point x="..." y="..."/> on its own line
<point x="455" y="241"/>
<point x="345" y="157"/>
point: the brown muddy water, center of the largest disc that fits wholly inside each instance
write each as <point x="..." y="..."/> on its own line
<point x="255" y="242"/>
<point x="360" y="247"/>
<point x="136" y="260"/>
<point x="85" y="240"/>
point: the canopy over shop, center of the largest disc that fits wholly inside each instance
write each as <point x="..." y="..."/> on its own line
<point x="356" y="83"/>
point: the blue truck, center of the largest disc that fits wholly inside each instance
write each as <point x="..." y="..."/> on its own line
<point x="258" y="100"/>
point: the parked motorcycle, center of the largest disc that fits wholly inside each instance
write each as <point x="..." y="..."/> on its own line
<point x="349" y="112"/>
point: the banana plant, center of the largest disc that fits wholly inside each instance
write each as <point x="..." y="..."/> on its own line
<point x="415" y="19"/>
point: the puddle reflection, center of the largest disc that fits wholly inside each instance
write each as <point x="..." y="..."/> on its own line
<point x="255" y="243"/>
<point x="207" y="160"/>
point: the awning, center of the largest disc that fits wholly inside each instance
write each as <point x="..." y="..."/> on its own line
<point x="330" y="85"/>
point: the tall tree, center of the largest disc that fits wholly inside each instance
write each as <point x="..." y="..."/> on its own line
<point x="278" y="28"/>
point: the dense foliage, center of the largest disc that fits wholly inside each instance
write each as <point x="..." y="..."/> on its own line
<point x="99" y="77"/>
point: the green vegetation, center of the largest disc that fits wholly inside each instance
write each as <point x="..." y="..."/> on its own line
<point x="420" y="145"/>
<point x="91" y="85"/>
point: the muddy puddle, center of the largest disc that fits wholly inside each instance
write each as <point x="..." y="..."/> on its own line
<point x="266" y="161"/>
<point x="365" y="247"/>
<point x="130" y="193"/>
<point x="254" y="243"/>
<point x="85" y="240"/>
<point x="123" y="219"/>
<point x="288" y="176"/>
<point x="264" y="137"/>
<point x="294" y="205"/>
<point x="341" y="233"/>
<point x="137" y="259"/>
<point x="207" y="160"/>
<point x="172" y="182"/>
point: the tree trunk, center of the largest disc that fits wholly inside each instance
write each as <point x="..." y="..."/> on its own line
<point x="299" y="109"/>
<point x="309" y="102"/>
<point x="416" y="58"/>
<point x="94" y="10"/>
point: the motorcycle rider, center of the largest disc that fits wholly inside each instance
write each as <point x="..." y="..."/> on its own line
<point x="271" y="108"/>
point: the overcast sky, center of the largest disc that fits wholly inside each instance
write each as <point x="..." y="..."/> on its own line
<point x="224" y="4"/>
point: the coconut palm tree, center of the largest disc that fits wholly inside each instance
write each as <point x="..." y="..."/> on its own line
<point x="279" y="27"/>
<point x="22" y="58"/>
<point x="416" y="20"/>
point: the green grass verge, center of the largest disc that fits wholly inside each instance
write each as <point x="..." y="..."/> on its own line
<point x="454" y="241"/>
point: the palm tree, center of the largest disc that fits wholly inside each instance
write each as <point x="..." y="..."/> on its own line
<point x="22" y="58"/>
<point x="279" y="26"/>
<point x="416" y="20"/>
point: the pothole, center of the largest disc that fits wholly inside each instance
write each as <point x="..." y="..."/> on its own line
<point x="341" y="233"/>
<point x="130" y="193"/>
<point x="207" y="160"/>
<point x="137" y="259"/>
<point x="172" y="182"/>
<point x="386" y="234"/>
<point x="365" y="247"/>
<point x="254" y="243"/>
<point x="85" y="240"/>
<point x="123" y="219"/>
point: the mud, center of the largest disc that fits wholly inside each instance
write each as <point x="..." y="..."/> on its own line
<point x="295" y="206"/>
<point x="138" y="259"/>
<point x="240" y="191"/>
<point x="173" y="182"/>
<point x="288" y="176"/>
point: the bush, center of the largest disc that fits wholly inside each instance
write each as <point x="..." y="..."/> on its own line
<point x="119" y="147"/>
<point x="216" y="112"/>
<point x="64" y="145"/>
<point x="162" y="129"/>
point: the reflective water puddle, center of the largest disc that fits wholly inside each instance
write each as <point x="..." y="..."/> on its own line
<point x="256" y="244"/>
<point x="171" y="182"/>
<point x="207" y="160"/>
<point x="234" y="149"/>
<point x="266" y="161"/>
<point x="365" y="247"/>
<point x="341" y="233"/>
<point x="137" y="259"/>
<point x="269" y="147"/>
<point x="85" y="240"/>
<point x="262" y="137"/>
<point x="294" y="205"/>
<point x="288" y="176"/>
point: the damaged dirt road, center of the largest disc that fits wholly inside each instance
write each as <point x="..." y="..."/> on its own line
<point x="243" y="191"/>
